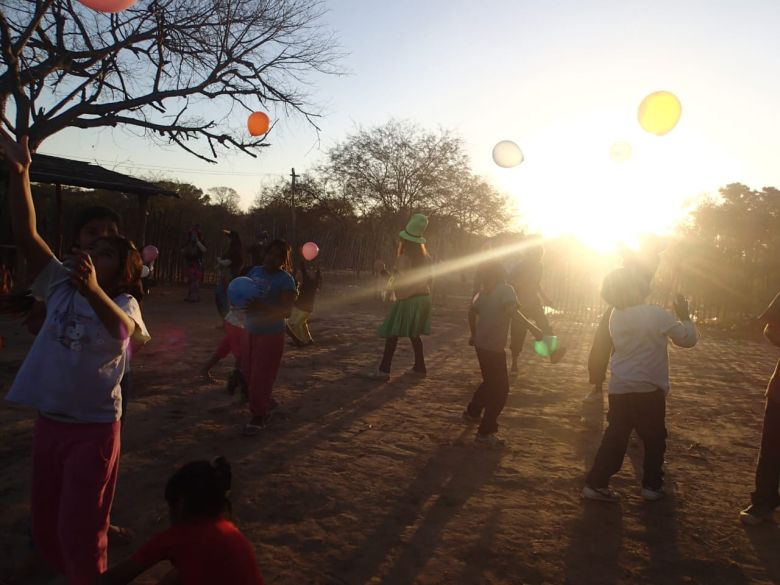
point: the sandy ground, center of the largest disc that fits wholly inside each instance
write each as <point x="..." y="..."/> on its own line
<point x="362" y="482"/>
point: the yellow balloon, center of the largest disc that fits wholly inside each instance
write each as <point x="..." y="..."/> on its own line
<point x="659" y="112"/>
<point x="620" y="151"/>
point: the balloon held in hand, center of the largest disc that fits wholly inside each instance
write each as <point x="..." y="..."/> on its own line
<point x="310" y="250"/>
<point x="241" y="290"/>
<point x="546" y="346"/>
<point x="150" y="254"/>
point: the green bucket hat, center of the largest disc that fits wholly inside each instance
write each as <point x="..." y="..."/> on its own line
<point x="415" y="229"/>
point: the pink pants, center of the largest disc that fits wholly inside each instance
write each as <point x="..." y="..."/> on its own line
<point x="74" y="476"/>
<point x="262" y="357"/>
<point x="232" y="342"/>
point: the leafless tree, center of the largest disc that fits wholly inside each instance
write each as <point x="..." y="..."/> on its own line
<point x="171" y="69"/>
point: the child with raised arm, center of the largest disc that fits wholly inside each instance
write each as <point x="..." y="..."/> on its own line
<point x="204" y="547"/>
<point x="639" y="381"/>
<point x="493" y="309"/>
<point x="71" y="376"/>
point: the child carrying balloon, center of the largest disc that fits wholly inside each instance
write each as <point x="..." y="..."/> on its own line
<point x="639" y="381"/>
<point x="493" y="309"/>
<point x="263" y="347"/>
<point x="239" y="292"/>
<point x="204" y="547"/>
<point x="71" y="377"/>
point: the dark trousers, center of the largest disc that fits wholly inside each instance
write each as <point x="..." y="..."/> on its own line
<point x="534" y="312"/>
<point x="124" y="387"/>
<point x="600" y="351"/>
<point x="490" y="398"/>
<point x="768" y="467"/>
<point x="391" y="343"/>
<point x="644" y="412"/>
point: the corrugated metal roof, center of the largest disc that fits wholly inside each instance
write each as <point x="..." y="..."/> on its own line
<point x="63" y="171"/>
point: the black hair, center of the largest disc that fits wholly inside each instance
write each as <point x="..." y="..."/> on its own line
<point x="491" y="269"/>
<point x="130" y="266"/>
<point x="200" y="489"/>
<point x="284" y="247"/>
<point x="624" y="287"/>
<point x="91" y="213"/>
<point x="417" y="253"/>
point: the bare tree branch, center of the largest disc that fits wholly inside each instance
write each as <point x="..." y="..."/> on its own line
<point x="68" y="66"/>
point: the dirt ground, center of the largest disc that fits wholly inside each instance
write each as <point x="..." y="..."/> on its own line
<point x="363" y="482"/>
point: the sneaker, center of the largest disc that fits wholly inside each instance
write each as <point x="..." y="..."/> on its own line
<point x="471" y="419"/>
<point x="557" y="355"/>
<point x="651" y="495"/>
<point x="594" y="396"/>
<point x="377" y="375"/>
<point x="492" y="441"/>
<point x="755" y="514"/>
<point x="604" y="494"/>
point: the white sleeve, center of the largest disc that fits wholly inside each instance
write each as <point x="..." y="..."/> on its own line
<point x="53" y="275"/>
<point x="130" y="306"/>
<point x="682" y="333"/>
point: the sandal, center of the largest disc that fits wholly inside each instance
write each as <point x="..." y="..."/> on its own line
<point x="250" y="430"/>
<point x="120" y="536"/>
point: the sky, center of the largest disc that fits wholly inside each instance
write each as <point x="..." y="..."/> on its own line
<point x="563" y="79"/>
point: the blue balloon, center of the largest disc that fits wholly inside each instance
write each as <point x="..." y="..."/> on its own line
<point x="241" y="290"/>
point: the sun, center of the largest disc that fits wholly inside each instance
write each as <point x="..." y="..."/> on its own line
<point x="570" y="185"/>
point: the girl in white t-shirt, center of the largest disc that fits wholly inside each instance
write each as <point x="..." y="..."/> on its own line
<point x="71" y="376"/>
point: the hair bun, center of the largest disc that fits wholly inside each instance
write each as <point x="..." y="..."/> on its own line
<point x="222" y="470"/>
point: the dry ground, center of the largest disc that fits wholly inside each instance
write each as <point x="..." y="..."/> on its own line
<point x="361" y="482"/>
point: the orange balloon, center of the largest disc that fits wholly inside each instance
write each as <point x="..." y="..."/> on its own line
<point x="258" y="123"/>
<point x="108" y="5"/>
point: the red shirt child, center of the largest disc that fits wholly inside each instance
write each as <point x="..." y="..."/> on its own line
<point x="201" y="544"/>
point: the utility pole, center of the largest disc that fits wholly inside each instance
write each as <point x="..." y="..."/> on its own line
<point x="292" y="202"/>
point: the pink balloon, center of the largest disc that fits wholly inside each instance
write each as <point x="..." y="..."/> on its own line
<point x="108" y="5"/>
<point x="150" y="253"/>
<point x="310" y="251"/>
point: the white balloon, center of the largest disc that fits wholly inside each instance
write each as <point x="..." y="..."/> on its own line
<point x="145" y="272"/>
<point x="507" y="154"/>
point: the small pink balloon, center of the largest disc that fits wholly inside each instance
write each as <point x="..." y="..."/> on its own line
<point x="150" y="253"/>
<point x="108" y="5"/>
<point x="310" y="251"/>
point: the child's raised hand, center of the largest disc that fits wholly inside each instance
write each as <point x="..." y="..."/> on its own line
<point x="83" y="275"/>
<point x="16" y="154"/>
<point x="681" y="308"/>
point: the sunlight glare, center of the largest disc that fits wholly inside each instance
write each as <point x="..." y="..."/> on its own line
<point x="574" y="187"/>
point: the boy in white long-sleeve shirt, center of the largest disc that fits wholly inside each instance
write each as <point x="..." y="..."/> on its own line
<point x="639" y="382"/>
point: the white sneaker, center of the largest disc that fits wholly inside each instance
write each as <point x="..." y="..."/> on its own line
<point x="377" y="375"/>
<point x="600" y="494"/>
<point x="595" y="396"/>
<point x="492" y="441"/>
<point x="652" y="495"/>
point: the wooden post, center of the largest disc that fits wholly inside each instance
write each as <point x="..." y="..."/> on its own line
<point x="143" y="201"/>
<point x="292" y="203"/>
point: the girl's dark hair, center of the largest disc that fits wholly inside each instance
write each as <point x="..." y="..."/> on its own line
<point x="285" y="249"/>
<point x="418" y="253"/>
<point x="200" y="489"/>
<point x="130" y="265"/>
<point x="491" y="269"/>
<point x="92" y="213"/>
<point x="623" y="288"/>
<point x="235" y="252"/>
